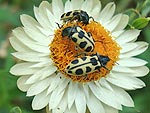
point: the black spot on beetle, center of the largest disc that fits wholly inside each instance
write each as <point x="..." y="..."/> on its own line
<point x="75" y="13"/>
<point x="62" y="15"/>
<point x="88" y="49"/>
<point x="97" y="67"/>
<point x="70" y="72"/>
<point x="84" y="58"/>
<point x="67" y="14"/>
<point x="79" y="72"/>
<point x="74" y="39"/>
<point x="68" y="67"/>
<point x="93" y="61"/>
<point x="88" y="69"/>
<point x="81" y="34"/>
<point x="82" y="44"/>
<point x="75" y="61"/>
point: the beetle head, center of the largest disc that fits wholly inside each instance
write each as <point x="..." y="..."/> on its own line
<point x="66" y="31"/>
<point x="84" y="17"/>
<point x="103" y="60"/>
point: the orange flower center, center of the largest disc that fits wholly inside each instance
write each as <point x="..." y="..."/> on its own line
<point x="64" y="50"/>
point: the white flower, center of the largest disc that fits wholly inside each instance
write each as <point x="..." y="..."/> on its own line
<point x="41" y="77"/>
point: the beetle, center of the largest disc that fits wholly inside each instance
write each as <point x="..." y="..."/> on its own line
<point x="79" y="15"/>
<point x="87" y="64"/>
<point x="80" y="37"/>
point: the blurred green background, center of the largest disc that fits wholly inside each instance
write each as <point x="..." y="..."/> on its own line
<point x="11" y="96"/>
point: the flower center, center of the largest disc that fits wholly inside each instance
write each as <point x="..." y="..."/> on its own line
<point x="64" y="50"/>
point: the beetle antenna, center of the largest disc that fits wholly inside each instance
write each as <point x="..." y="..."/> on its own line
<point x="114" y="61"/>
<point x="106" y="68"/>
<point x="91" y="18"/>
<point x="60" y="26"/>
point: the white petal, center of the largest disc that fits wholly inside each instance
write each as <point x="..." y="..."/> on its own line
<point x="105" y="84"/>
<point x="42" y="64"/>
<point x="128" y="47"/>
<point x="52" y="19"/>
<point x="46" y="5"/>
<point x="55" y="99"/>
<point x="72" y="91"/>
<point x="68" y="6"/>
<point x="105" y="96"/>
<point x="123" y="69"/>
<point x="122" y="23"/>
<point x="42" y="19"/>
<point x="57" y="8"/>
<point x="86" y="91"/>
<point x="19" y="33"/>
<point x="49" y="71"/>
<point x="42" y="74"/>
<point x="96" y="9"/>
<point x="57" y="94"/>
<point x="57" y="110"/>
<point x="30" y="56"/>
<point x="94" y="105"/>
<point x="21" y="83"/>
<point x="107" y="13"/>
<point x="47" y="32"/>
<point x="38" y="87"/>
<point x="140" y="71"/>
<point x="76" y="5"/>
<point x="87" y="5"/>
<point x="18" y="46"/>
<point x="109" y="109"/>
<point x="22" y="69"/>
<point x="127" y="36"/>
<point x="134" y="71"/>
<point x="126" y="82"/>
<point x="115" y="34"/>
<point x="37" y="36"/>
<point x="80" y="100"/>
<point x="131" y="62"/>
<point x="112" y="24"/>
<point x="123" y="97"/>
<point x="56" y="80"/>
<point x="141" y="47"/>
<point x="71" y="110"/>
<point x="42" y="10"/>
<point x="61" y="108"/>
<point x="28" y="21"/>
<point x="40" y="101"/>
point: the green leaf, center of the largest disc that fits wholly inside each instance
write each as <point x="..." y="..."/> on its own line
<point x="15" y="110"/>
<point x="140" y="23"/>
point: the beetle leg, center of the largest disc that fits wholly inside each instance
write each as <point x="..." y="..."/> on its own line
<point x="91" y="18"/>
<point x="89" y="34"/>
<point x="59" y="25"/>
<point x="85" y="76"/>
<point x="106" y="68"/>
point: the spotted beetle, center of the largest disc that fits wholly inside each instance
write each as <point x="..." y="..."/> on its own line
<point x="79" y="15"/>
<point x="87" y="64"/>
<point x="82" y="38"/>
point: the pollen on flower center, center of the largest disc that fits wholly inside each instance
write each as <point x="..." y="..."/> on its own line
<point x="64" y="50"/>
